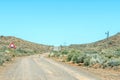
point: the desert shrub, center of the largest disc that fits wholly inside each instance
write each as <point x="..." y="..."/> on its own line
<point x="57" y="54"/>
<point x="69" y="56"/>
<point x="1" y="61"/>
<point x="19" y="54"/>
<point x="54" y="54"/>
<point x="3" y="49"/>
<point x="90" y="52"/>
<point x="90" y="59"/>
<point x="109" y="53"/>
<point x="51" y="54"/>
<point x="113" y="62"/>
<point x="35" y="51"/>
<point x="4" y="57"/>
<point x="86" y="58"/>
<point x="96" y="58"/>
<point x="112" y="54"/>
<point x="80" y="58"/>
<point x="64" y="52"/>
<point x="87" y="61"/>
<point x="8" y="58"/>
<point x="75" y="57"/>
<point x="19" y="50"/>
<point x="23" y="52"/>
<point x="117" y="53"/>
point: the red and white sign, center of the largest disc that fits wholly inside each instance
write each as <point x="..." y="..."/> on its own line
<point x="12" y="45"/>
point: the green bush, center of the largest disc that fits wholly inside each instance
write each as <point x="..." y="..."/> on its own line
<point x="87" y="61"/>
<point x="64" y="52"/>
<point x="80" y="58"/>
<point x="69" y="56"/>
<point x="4" y="57"/>
<point x="114" y="62"/>
<point x="51" y="54"/>
<point x="117" y="53"/>
<point x="54" y="54"/>
<point x="19" y="50"/>
<point x="96" y="58"/>
<point x="8" y="58"/>
<point x="1" y="58"/>
<point x="75" y="57"/>
<point x="1" y="61"/>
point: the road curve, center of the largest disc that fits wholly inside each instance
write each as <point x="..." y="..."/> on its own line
<point x="41" y="68"/>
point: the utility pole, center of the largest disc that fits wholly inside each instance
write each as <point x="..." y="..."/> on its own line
<point x="107" y="33"/>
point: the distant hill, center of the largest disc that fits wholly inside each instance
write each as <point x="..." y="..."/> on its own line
<point x="112" y="42"/>
<point x="23" y="48"/>
<point x="22" y="44"/>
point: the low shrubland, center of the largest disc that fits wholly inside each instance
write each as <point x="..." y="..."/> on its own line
<point x="101" y="54"/>
<point x="104" y="59"/>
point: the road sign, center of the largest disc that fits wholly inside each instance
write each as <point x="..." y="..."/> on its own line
<point x="12" y="45"/>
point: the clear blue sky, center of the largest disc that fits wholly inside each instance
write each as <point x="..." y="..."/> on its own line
<point x="59" y="22"/>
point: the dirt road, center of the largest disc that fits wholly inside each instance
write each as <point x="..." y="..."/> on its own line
<point x="41" y="68"/>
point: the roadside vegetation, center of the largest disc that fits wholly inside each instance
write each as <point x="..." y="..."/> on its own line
<point x="23" y="48"/>
<point x="101" y="54"/>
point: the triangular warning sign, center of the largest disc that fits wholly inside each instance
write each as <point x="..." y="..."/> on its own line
<point x="12" y="45"/>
